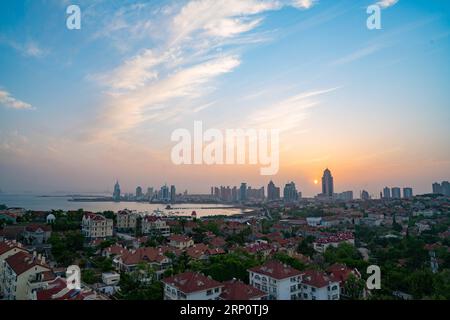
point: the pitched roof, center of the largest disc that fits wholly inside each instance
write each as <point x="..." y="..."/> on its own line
<point x="36" y="227"/>
<point x="237" y="290"/>
<point x="276" y="270"/>
<point x="189" y="282"/>
<point x="23" y="261"/>
<point x="179" y="238"/>
<point x="148" y="254"/>
<point x="6" y="246"/>
<point x="316" y="279"/>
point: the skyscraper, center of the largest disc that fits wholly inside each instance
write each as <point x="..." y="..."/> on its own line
<point x="116" y="194"/>
<point x="437" y="188"/>
<point x="273" y="192"/>
<point x="396" y="193"/>
<point x="290" y="193"/>
<point x="445" y="188"/>
<point x="407" y="193"/>
<point x="164" y="194"/>
<point x="386" y="193"/>
<point x="365" y="195"/>
<point x="173" y="194"/>
<point x="139" y="194"/>
<point x="327" y="183"/>
<point x="243" y="192"/>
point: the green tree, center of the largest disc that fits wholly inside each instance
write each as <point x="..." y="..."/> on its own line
<point x="354" y="287"/>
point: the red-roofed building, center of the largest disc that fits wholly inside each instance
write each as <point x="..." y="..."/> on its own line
<point x="237" y="290"/>
<point x="180" y="242"/>
<point x="279" y="281"/>
<point x="191" y="286"/>
<point x="317" y="285"/>
<point x="96" y="226"/>
<point x="22" y="271"/>
<point x="155" y="257"/>
<point x="321" y="244"/>
<point x="155" y="226"/>
<point x="341" y="273"/>
<point x="57" y="290"/>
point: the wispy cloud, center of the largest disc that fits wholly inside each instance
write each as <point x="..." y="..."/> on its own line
<point x="386" y="3"/>
<point x="287" y="114"/>
<point x="200" y="44"/>
<point x="8" y="101"/>
<point x="29" y="48"/>
<point x="358" y="54"/>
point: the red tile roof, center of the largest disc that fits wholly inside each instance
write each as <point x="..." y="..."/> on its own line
<point x="6" y="246"/>
<point x="36" y="227"/>
<point x="190" y="282"/>
<point x="316" y="279"/>
<point x="276" y="270"/>
<point x="237" y="290"/>
<point x="179" y="238"/>
<point x="93" y="216"/>
<point x="23" y="261"/>
<point x="144" y="255"/>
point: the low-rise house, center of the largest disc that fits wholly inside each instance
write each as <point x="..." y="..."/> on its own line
<point x="279" y="281"/>
<point x="155" y="257"/>
<point x="37" y="234"/>
<point x="237" y="290"/>
<point x="317" y="285"/>
<point x="180" y="242"/>
<point x="191" y="286"/>
<point x="202" y="251"/>
<point x="262" y="248"/>
<point x="96" y="226"/>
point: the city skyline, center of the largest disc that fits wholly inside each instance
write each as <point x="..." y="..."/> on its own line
<point x="78" y="107"/>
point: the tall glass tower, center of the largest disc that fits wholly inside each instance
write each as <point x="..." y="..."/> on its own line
<point x="327" y="183"/>
<point x="116" y="194"/>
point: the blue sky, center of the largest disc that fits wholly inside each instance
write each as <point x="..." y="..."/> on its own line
<point x="79" y="108"/>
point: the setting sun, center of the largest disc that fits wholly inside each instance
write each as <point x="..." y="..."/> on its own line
<point x="316" y="181"/>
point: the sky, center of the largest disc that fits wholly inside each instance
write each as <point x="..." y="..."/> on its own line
<point x="82" y="108"/>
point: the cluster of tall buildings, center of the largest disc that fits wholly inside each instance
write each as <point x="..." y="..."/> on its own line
<point x="165" y="194"/>
<point x="235" y="194"/>
<point x="396" y="193"/>
<point x="247" y="193"/>
<point x="442" y="188"/>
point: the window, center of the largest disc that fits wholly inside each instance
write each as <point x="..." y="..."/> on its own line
<point x="313" y="289"/>
<point x="216" y="290"/>
<point x="334" y="288"/>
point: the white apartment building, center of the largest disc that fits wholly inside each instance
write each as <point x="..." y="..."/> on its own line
<point x="22" y="272"/>
<point x="279" y="281"/>
<point x="126" y="220"/>
<point x="155" y="226"/>
<point x="7" y="249"/>
<point x="317" y="285"/>
<point x="96" y="226"/>
<point x="191" y="286"/>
